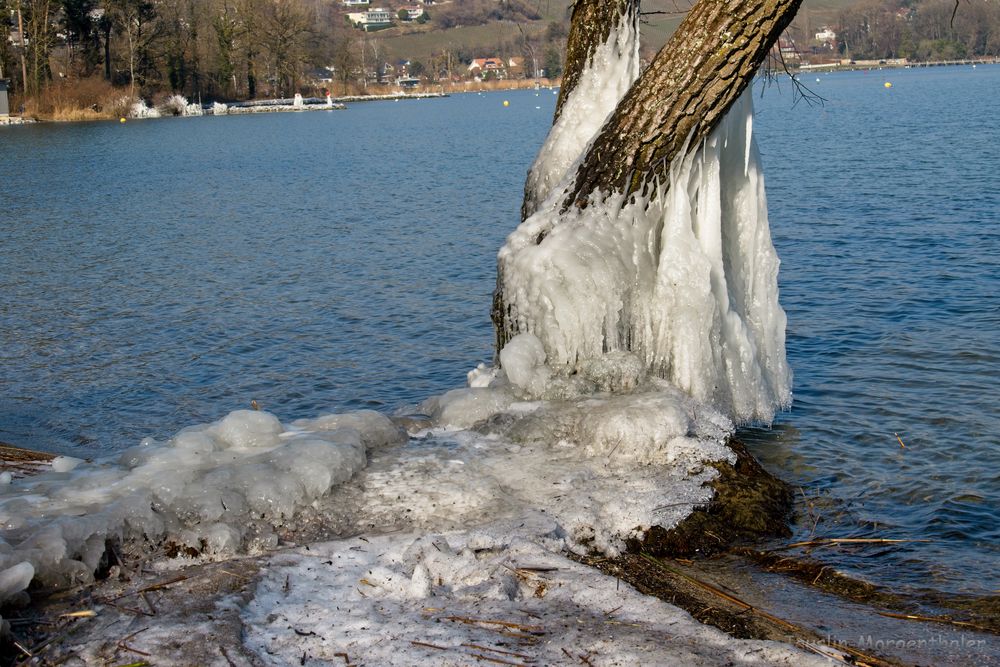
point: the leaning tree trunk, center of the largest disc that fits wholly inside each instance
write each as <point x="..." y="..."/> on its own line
<point x="692" y="82"/>
<point x="676" y="102"/>
<point x="602" y="62"/>
<point x="591" y="25"/>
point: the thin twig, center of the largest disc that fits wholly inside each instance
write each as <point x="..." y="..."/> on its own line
<point x="425" y="644"/>
<point x="138" y="612"/>
<point x="732" y="599"/>
<point x="831" y="541"/>
<point x="532" y="629"/>
<point x="151" y="587"/>
<point x="22" y="649"/>
<point x="496" y="650"/>
<point x="498" y="661"/>
<point x="933" y="619"/>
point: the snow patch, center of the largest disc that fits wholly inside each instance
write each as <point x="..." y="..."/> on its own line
<point x="502" y="591"/>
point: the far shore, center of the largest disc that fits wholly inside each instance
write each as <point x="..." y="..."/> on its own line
<point x="896" y="63"/>
<point x="386" y="93"/>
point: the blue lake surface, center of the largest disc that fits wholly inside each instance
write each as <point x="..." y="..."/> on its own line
<point x="161" y="273"/>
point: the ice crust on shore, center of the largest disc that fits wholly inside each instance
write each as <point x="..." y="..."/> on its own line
<point x="495" y="450"/>
<point x="444" y="598"/>
<point x="219" y="488"/>
<point x="685" y="280"/>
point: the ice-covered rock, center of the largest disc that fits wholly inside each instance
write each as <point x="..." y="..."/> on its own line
<point x="217" y="488"/>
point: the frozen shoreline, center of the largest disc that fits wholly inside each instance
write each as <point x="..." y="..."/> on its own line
<point x="180" y="106"/>
<point x="411" y="590"/>
<point x="500" y="591"/>
<point x="460" y="528"/>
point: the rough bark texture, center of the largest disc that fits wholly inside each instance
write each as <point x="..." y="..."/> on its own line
<point x="592" y="23"/>
<point x="692" y="82"/>
<point x="680" y="97"/>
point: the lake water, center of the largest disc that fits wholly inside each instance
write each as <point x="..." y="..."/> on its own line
<point x="161" y="273"/>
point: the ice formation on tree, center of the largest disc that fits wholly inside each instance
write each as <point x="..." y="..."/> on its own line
<point x="612" y="69"/>
<point x="683" y="276"/>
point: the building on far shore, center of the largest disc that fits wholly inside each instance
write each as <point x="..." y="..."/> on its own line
<point x="4" y="105"/>
<point x="412" y="12"/>
<point x="373" y="19"/>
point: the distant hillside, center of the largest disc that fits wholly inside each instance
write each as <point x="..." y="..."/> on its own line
<point x="478" y="28"/>
<point x="468" y="29"/>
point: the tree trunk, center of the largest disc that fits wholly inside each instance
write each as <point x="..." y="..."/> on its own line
<point x="676" y="102"/>
<point x="592" y="23"/>
<point x="692" y="82"/>
<point x="602" y="63"/>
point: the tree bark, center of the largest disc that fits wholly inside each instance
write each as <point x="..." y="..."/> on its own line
<point x="676" y="102"/>
<point x="591" y="25"/>
<point x="681" y="96"/>
<point x="594" y="23"/>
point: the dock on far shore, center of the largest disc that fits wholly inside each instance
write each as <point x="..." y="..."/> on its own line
<point x="889" y="63"/>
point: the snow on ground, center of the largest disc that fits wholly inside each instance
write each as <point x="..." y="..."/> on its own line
<point x="460" y="531"/>
<point x="502" y="591"/>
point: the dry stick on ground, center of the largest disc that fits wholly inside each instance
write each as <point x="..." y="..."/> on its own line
<point x="498" y="661"/>
<point x="857" y="655"/>
<point x="425" y="644"/>
<point x="152" y="587"/>
<point x="123" y="643"/>
<point x="477" y="656"/>
<point x="531" y="629"/>
<point x="496" y="650"/>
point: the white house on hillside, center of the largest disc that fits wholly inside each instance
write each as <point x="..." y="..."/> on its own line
<point x="413" y="12"/>
<point x="481" y="66"/>
<point x="825" y="35"/>
<point x="373" y="19"/>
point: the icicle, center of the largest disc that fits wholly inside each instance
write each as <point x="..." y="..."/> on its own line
<point x="687" y="281"/>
